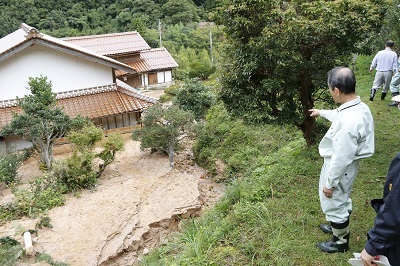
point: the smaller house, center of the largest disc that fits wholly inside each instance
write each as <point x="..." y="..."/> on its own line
<point x="153" y="66"/>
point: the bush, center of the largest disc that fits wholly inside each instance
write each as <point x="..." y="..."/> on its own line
<point x="43" y="194"/>
<point x="10" y="251"/>
<point x="194" y="96"/>
<point x="199" y="70"/>
<point x="9" y="165"/>
<point x="173" y="89"/>
<point x="76" y="172"/>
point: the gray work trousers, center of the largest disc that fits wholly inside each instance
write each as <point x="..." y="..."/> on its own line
<point x="337" y="208"/>
<point x="382" y="78"/>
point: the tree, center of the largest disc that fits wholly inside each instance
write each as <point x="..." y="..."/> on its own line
<point x="42" y="122"/>
<point x="177" y="11"/>
<point x="194" y="96"/>
<point x="278" y="53"/>
<point x="163" y="129"/>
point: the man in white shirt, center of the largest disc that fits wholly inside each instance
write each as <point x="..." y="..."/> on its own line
<point x="394" y="86"/>
<point x="349" y="139"/>
<point x="385" y="63"/>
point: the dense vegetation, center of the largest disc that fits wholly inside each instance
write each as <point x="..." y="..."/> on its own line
<point x="277" y="54"/>
<point x="82" y="17"/>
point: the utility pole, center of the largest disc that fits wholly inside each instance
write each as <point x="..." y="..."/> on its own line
<point x="211" y="53"/>
<point x="159" y="31"/>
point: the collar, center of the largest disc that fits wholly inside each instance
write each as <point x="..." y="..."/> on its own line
<point x="349" y="104"/>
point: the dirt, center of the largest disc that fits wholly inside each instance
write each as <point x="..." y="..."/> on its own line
<point x="137" y="203"/>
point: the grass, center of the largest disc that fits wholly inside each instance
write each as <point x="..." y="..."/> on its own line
<point x="270" y="213"/>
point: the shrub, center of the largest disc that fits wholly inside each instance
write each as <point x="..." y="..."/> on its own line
<point x="10" y="251"/>
<point x="9" y="165"/>
<point x="195" y="97"/>
<point x="78" y="171"/>
<point x="173" y="89"/>
<point x="44" y="193"/>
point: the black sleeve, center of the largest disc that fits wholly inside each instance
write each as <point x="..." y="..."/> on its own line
<point x="386" y="230"/>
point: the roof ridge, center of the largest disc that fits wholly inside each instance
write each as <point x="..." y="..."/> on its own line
<point x="25" y="27"/>
<point x="99" y="35"/>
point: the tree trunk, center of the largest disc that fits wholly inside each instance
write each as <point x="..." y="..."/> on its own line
<point x="307" y="103"/>
<point x="171" y="157"/>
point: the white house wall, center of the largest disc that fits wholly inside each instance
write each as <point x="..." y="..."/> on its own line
<point x="66" y="72"/>
<point x="164" y="76"/>
<point x="168" y="76"/>
<point x="160" y="77"/>
<point x="145" y="79"/>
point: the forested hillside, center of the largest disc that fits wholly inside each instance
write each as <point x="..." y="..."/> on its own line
<point x="77" y="17"/>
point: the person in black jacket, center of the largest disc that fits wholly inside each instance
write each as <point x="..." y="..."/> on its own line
<point x="384" y="237"/>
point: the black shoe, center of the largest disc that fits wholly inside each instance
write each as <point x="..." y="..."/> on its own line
<point x="333" y="247"/>
<point x="393" y="104"/>
<point x="383" y="95"/>
<point x="326" y="228"/>
<point x="372" y="95"/>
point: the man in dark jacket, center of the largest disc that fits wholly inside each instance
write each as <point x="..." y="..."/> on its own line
<point x="384" y="237"/>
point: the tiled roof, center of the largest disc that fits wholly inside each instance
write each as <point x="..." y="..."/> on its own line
<point x="154" y="59"/>
<point x="27" y="34"/>
<point x="92" y="102"/>
<point x="111" y="44"/>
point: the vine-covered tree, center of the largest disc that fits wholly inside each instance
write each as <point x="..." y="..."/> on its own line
<point x="163" y="129"/>
<point x="41" y="122"/>
<point x="278" y="53"/>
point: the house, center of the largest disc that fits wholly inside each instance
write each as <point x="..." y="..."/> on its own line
<point x="84" y="81"/>
<point x="153" y="66"/>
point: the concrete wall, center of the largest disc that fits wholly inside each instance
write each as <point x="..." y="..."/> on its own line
<point x="17" y="142"/>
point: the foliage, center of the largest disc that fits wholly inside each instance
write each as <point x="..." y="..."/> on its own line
<point x="389" y="30"/>
<point x="195" y="97"/>
<point x="179" y="11"/>
<point x="110" y="145"/>
<point x="9" y="164"/>
<point x="10" y="251"/>
<point x="173" y="89"/>
<point x="43" y="193"/>
<point x="76" y="172"/>
<point x="72" y="174"/>
<point x="277" y="54"/>
<point x="193" y="63"/>
<point x="71" y="18"/>
<point x="42" y="257"/>
<point x="42" y="122"/>
<point x="79" y="171"/>
<point x="163" y="128"/>
<point x="86" y="138"/>
<point x="44" y="221"/>
<point x="235" y="143"/>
